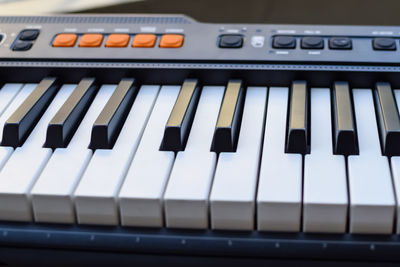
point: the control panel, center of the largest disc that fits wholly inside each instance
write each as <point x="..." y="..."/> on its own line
<point x="179" y="38"/>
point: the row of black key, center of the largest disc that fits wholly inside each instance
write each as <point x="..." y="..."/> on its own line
<point x="111" y="119"/>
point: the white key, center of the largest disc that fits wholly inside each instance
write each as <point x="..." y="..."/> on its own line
<point x="10" y="99"/>
<point x="96" y="195"/>
<point x="52" y="193"/>
<point x="25" y="165"/>
<point x="141" y="193"/>
<point x="396" y="170"/>
<point x="325" y="184"/>
<point x="232" y="198"/>
<point x="7" y="93"/>
<point x="372" y="202"/>
<point x="280" y="182"/>
<point x="24" y="92"/>
<point x="186" y="197"/>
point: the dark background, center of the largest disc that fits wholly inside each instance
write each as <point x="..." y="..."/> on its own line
<point x="351" y="12"/>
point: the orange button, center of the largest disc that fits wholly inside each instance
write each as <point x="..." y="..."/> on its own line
<point x="65" y="40"/>
<point x="171" y="41"/>
<point x="144" y="40"/>
<point x="91" y="40"/>
<point x="117" y="40"/>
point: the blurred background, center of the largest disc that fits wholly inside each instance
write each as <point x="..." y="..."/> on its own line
<point x="356" y="12"/>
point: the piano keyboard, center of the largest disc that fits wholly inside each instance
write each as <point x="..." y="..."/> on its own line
<point x="198" y="157"/>
<point x="259" y="156"/>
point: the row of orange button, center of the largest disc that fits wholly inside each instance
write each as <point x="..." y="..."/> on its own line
<point x="117" y="40"/>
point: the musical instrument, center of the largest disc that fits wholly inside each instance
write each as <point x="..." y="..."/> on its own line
<point x="157" y="134"/>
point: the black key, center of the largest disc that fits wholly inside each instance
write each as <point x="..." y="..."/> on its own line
<point x="108" y="124"/>
<point x="64" y="124"/>
<point x="345" y="139"/>
<point x="180" y="121"/>
<point x="298" y="131"/>
<point x="20" y="124"/>
<point x="226" y="131"/>
<point x="388" y="119"/>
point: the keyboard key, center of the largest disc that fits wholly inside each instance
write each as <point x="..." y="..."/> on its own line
<point x="20" y="124"/>
<point x="189" y="185"/>
<point x="8" y="93"/>
<point x="144" y="185"/>
<point x="279" y="192"/>
<point x="298" y="137"/>
<point x="345" y="137"/>
<point x="97" y="192"/>
<point x="180" y="121"/>
<point x="11" y="96"/>
<point x="372" y="202"/>
<point x="64" y="124"/>
<point x="109" y="123"/>
<point x="16" y="181"/>
<point x="388" y="119"/>
<point x="395" y="164"/>
<point x="52" y="193"/>
<point x="226" y="131"/>
<point x="325" y="185"/>
<point x="232" y="198"/>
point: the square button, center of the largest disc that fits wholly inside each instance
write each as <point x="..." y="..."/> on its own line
<point x="144" y="40"/>
<point x="231" y="41"/>
<point x="65" y="40"/>
<point x="171" y="41"/>
<point x="29" y="35"/>
<point x="117" y="40"/>
<point x="340" y="43"/>
<point x="91" y="40"/>
<point x="384" y="43"/>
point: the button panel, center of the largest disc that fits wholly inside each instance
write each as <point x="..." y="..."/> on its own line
<point x="141" y="40"/>
<point x="25" y="40"/>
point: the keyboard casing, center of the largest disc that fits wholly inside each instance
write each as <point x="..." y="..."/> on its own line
<point x="199" y="57"/>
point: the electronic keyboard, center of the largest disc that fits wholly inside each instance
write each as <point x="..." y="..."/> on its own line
<point x="160" y="135"/>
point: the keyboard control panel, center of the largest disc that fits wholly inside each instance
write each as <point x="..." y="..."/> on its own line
<point x="179" y="38"/>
